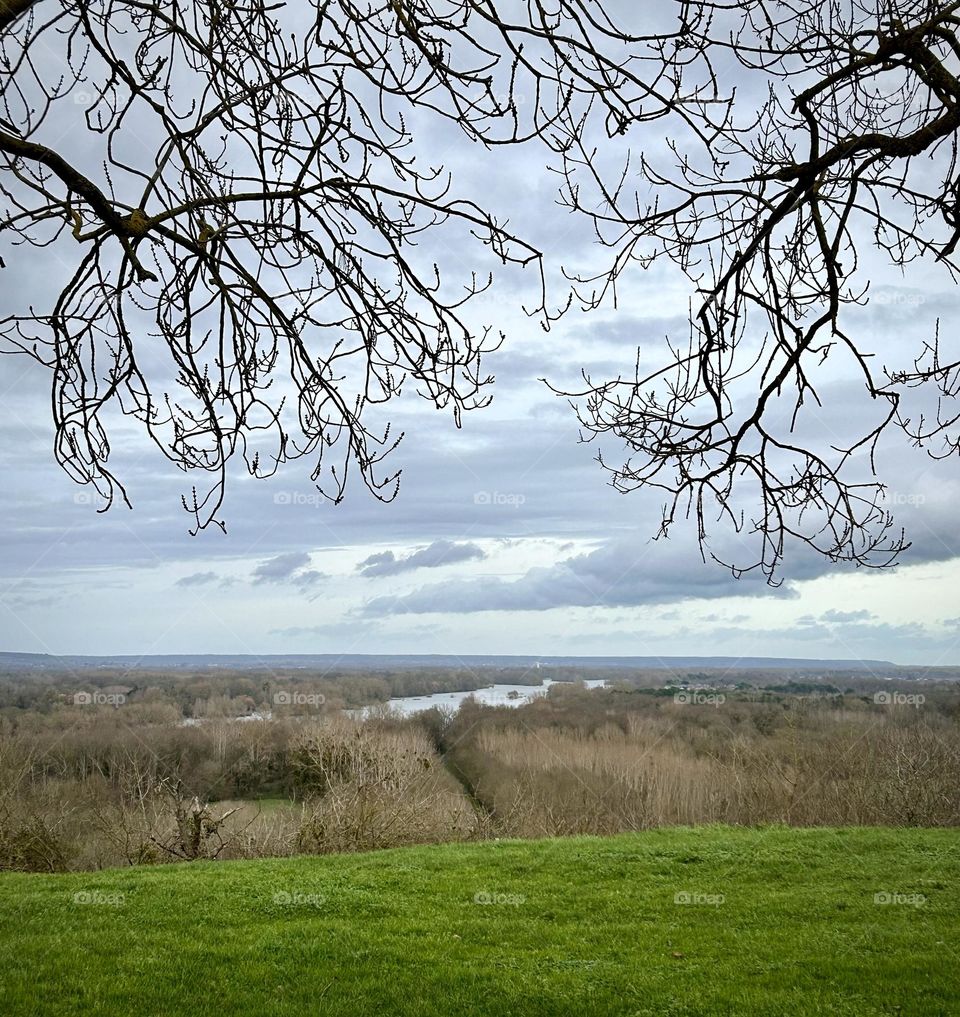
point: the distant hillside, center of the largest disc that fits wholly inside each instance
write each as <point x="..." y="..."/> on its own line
<point x="393" y="662"/>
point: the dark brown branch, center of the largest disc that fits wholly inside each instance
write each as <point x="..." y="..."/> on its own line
<point x="127" y="228"/>
<point x="11" y="10"/>
<point x="713" y="428"/>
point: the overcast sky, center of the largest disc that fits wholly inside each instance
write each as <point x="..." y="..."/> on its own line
<point x="505" y="537"/>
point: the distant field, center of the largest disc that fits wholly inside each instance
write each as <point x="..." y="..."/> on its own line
<point x="667" y="923"/>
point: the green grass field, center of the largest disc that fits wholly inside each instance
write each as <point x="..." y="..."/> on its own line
<point x="707" y="921"/>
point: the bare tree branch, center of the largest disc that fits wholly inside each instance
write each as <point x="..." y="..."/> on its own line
<point x="236" y="192"/>
<point x="772" y="240"/>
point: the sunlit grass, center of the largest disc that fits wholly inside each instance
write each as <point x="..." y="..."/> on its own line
<point x="708" y="921"/>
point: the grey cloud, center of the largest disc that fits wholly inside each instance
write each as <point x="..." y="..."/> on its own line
<point x="845" y="617"/>
<point x="712" y="618"/>
<point x="620" y="573"/>
<point x="440" y="552"/>
<point x="382" y="559"/>
<point x="289" y="569"/>
<point x="309" y="578"/>
<point x="280" y="568"/>
<point x="628" y="331"/>
<point x="500" y="478"/>
<point x="520" y="457"/>
<point x="18" y="603"/>
<point x="360" y="632"/>
<point x="855" y="639"/>
<point x="198" y="579"/>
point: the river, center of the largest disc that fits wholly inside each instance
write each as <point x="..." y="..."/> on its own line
<point x="492" y="695"/>
<point x="406" y="706"/>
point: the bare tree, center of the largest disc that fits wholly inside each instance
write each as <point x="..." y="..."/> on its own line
<point x="241" y="209"/>
<point x="233" y="191"/>
<point x="799" y="134"/>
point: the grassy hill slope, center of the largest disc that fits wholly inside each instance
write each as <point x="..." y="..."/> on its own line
<point x="707" y="921"/>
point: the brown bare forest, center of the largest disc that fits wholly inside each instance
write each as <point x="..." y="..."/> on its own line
<point x="131" y="781"/>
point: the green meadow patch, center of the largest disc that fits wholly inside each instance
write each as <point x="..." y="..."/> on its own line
<point x="666" y="923"/>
